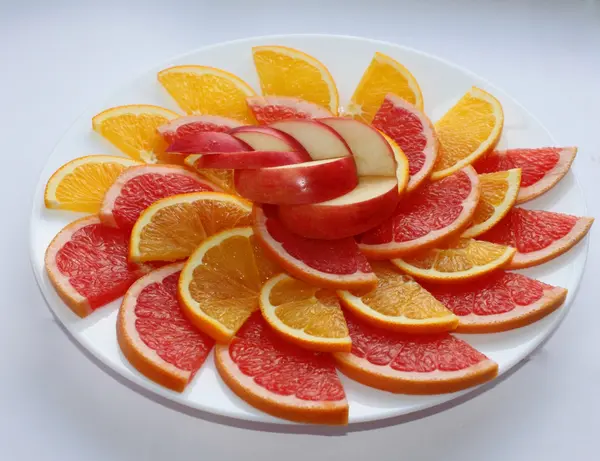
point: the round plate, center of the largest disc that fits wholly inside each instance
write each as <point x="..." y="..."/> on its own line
<point x="442" y="84"/>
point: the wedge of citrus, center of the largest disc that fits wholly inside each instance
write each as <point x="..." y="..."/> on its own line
<point x="498" y="195"/>
<point x="499" y="301"/>
<point x="383" y="76"/>
<point x="280" y="378"/>
<point x="80" y="184"/>
<point x="412" y="364"/>
<point x="399" y="303"/>
<point x="413" y="133"/>
<point x="305" y="315"/>
<point x="173" y="227"/>
<point x="207" y="90"/>
<point x="154" y="335"/>
<point x="271" y="109"/>
<point x="424" y="219"/>
<point x="87" y="264"/>
<point x="221" y="281"/>
<point x="191" y="124"/>
<point x="539" y="236"/>
<point x="289" y="72"/>
<point x="133" y="129"/>
<point x="336" y="264"/>
<point x="469" y="130"/>
<point x="223" y="179"/>
<point x="463" y="259"/>
<point x="541" y="168"/>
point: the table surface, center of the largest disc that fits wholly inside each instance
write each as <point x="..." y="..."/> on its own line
<point x="59" y="56"/>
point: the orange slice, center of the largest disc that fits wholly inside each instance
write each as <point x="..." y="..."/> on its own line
<point x="470" y="129"/>
<point x="308" y="316"/>
<point x="133" y="129"/>
<point x="220" y="283"/>
<point x="222" y="178"/>
<point x="207" y="90"/>
<point x="173" y="227"/>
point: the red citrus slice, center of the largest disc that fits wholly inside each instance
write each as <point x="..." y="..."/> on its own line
<point x="154" y="335"/>
<point x="337" y="264"/>
<point x="412" y="364"/>
<point x="413" y="132"/>
<point x="280" y="378"/>
<point x="541" y="168"/>
<point x="538" y="236"/>
<point x="87" y="264"/>
<point x="186" y="126"/>
<point x="139" y="187"/>
<point x="274" y="108"/>
<point x="498" y="302"/>
<point x="431" y="214"/>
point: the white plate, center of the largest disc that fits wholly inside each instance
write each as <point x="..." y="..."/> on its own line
<point x="442" y="84"/>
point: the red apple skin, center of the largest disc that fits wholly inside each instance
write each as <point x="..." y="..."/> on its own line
<point x="308" y="182"/>
<point x="207" y="141"/>
<point x="285" y="141"/>
<point x="252" y="160"/>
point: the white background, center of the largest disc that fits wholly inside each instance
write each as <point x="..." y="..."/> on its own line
<point x="58" y="56"/>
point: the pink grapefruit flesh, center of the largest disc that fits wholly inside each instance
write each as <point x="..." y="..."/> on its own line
<point x="207" y="141"/>
<point x="271" y="109"/>
<point x="187" y="126"/>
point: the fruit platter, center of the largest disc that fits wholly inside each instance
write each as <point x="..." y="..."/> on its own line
<point x="265" y="230"/>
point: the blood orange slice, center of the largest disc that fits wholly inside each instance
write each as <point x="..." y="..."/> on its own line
<point x="498" y="302"/>
<point x="139" y="187"/>
<point x="413" y="132"/>
<point x="274" y="108"/>
<point x="410" y="364"/>
<point x="432" y="214"/>
<point x="154" y="335"/>
<point x="87" y="264"/>
<point x="541" y="168"/>
<point x="280" y="378"/>
<point x="337" y="264"/>
<point x="192" y="124"/>
<point x="538" y="236"/>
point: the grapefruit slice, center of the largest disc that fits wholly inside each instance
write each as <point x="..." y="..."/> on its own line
<point x="541" y="168"/>
<point x="336" y="264"/>
<point x="413" y="132"/>
<point x="87" y="264"/>
<point x="399" y="303"/>
<point x="154" y="335"/>
<point x="192" y="124"/>
<point x="280" y="378"/>
<point x="539" y="236"/>
<point x="139" y="187"/>
<point x="308" y="316"/>
<point x="409" y="364"/>
<point x="274" y="108"/>
<point x="498" y="302"/>
<point x="425" y="218"/>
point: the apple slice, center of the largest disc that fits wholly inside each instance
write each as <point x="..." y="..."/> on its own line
<point x="320" y="141"/>
<point x="372" y="201"/>
<point x="268" y="139"/>
<point x="245" y="160"/>
<point x="308" y="182"/>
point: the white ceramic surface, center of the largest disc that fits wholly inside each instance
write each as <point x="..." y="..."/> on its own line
<point x="442" y="84"/>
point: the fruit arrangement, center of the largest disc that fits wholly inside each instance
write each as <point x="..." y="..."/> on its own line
<point x="296" y="237"/>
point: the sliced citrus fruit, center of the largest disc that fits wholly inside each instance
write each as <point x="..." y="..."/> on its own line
<point x="541" y="168"/>
<point x="337" y="264"/>
<point x="383" y="76"/>
<point x="80" y="184"/>
<point x="430" y="215"/>
<point x="274" y="108"/>
<point x="221" y="281"/>
<point x="285" y="71"/>
<point x="87" y="264"/>
<point x="461" y="260"/>
<point x="498" y="302"/>
<point x="305" y="315"/>
<point x="412" y="364"/>
<point x="469" y="130"/>
<point x="173" y="227"/>
<point x="224" y="179"/>
<point x="207" y="90"/>
<point x="498" y="195"/>
<point x="280" y="378"/>
<point x="413" y="133"/>
<point x="133" y="129"/>
<point x="191" y="124"/>
<point x="538" y="236"/>
<point x="399" y="303"/>
<point x="154" y="335"/>
<point x="139" y="187"/>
